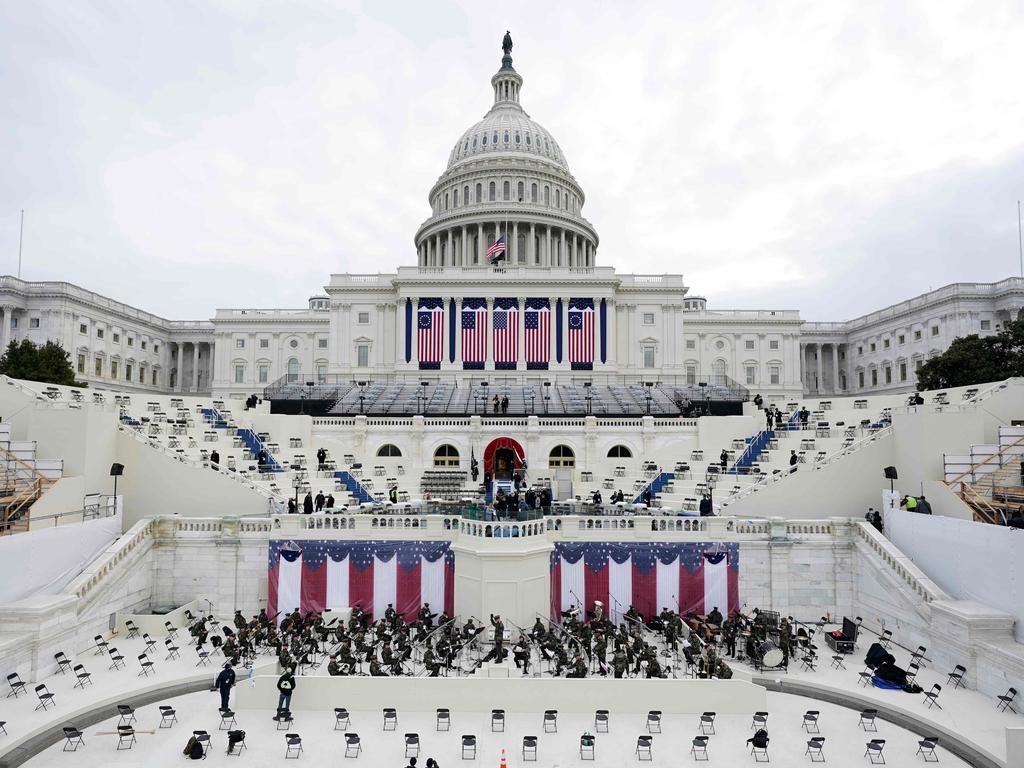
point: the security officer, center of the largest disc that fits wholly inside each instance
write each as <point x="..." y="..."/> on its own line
<point x="619" y="664"/>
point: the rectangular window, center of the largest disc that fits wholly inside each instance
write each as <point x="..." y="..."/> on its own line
<point x="774" y="374"/>
<point x="691" y="344"/>
<point x="14" y="322"/>
<point x="321" y="373"/>
<point x="874" y="377"/>
<point x="117" y="338"/>
<point x="751" y="373"/>
<point x="935" y="330"/>
<point x="113" y="369"/>
<point x="860" y="350"/>
<point x="648" y="357"/>
<point x="144" y="345"/>
<point x="917" y="365"/>
<point x="901" y="339"/>
<point x="99" y="333"/>
<point x="99" y="366"/>
<point x="154" y="378"/>
<point x="888" y="375"/>
<point x="128" y="372"/>
<point x="142" y="375"/>
<point x="362" y="356"/>
<point x="239" y="374"/>
<point x="860" y="379"/>
<point x="83" y="328"/>
<point x="648" y="318"/>
<point x="131" y="342"/>
<point x="321" y="343"/>
<point x="81" y="363"/>
<point x="903" y="371"/>
<point x="239" y="343"/>
<point x="872" y="347"/>
<point x="264" y="374"/>
<point x="363" y="318"/>
<point x="748" y="344"/>
<point x="264" y="343"/>
<point x="33" y="322"/>
<point x="986" y="325"/>
<point x="156" y="349"/>
<point x="773" y="344"/>
<point x="691" y="375"/>
<point x="885" y="344"/>
<point x="917" y="335"/>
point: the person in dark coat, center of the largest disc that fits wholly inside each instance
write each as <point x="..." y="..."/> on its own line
<point x="291" y="507"/>
<point x="214" y="459"/>
<point x="706" y="509"/>
<point x="320" y="499"/>
<point x="321" y="458"/>
<point x="330" y="501"/>
<point x="286" y="687"/>
<point x="224" y="683"/>
<point x="307" y="504"/>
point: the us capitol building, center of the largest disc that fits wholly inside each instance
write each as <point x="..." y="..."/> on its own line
<point x="545" y="310"/>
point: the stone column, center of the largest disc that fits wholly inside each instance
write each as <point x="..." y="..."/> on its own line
<point x="521" y="337"/>
<point x="379" y="344"/>
<point x="531" y="250"/>
<point x="562" y="260"/>
<point x="612" y="334"/>
<point x="668" y="342"/>
<point x="458" y="333"/>
<point x="5" y="329"/>
<point x="463" y="251"/>
<point x="514" y="245"/>
<point x="213" y="356"/>
<point x="488" y="340"/>
<point x="480" y="243"/>
<point x="818" y="349"/>
<point x="547" y="246"/>
<point x="450" y="253"/>
<point x="195" y="366"/>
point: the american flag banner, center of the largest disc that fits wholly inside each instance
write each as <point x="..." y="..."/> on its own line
<point x="537" y="322"/>
<point x="317" y="575"/>
<point x="581" y="334"/>
<point x="474" y="334"/>
<point x="690" y="578"/>
<point x="430" y="333"/>
<point x="506" y="333"/>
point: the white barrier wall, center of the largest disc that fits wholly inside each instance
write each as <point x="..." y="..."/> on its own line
<point x="971" y="561"/>
<point x="477" y="693"/>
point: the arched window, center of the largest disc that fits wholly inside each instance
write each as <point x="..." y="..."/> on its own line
<point x="388" y="449"/>
<point x="718" y="372"/>
<point x="446" y="456"/>
<point x="492" y="191"/>
<point x="533" y="193"/>
<point x="479" y="194"/>
<point x="506" y="190"/>
<point x="494" y="138"/>
<point x="506" y="137"/>
<point x="619" y="452"/>
<point x="455" y="198"/>
<point x="293" y="370"/>
<point x="485" y="139"/>
<point x="521" y="188"/>
<point x="558" y="198"/>
<point x="446" y="201"/>
<point x="517" y="137"/>
<point x="547" y="195"/>
<point x="561" y="457"/>
<point x="465" y="195"/>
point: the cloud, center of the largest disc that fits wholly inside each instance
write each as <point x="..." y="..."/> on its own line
<point x="188" y="156"/>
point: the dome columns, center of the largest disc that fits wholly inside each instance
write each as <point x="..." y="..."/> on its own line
<point x="530" y="244"/>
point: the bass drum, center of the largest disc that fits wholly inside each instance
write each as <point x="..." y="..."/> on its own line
<point x="770" y="653"/>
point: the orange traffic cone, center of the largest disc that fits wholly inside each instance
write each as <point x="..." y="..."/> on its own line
<point x="504" y="762"/>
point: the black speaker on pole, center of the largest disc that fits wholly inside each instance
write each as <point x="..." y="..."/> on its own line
<point x="890" y="473"/>
<point x="116" y="470"/>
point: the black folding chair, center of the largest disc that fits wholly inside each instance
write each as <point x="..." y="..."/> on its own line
<point x="17" y="686"/>
<point x="146" y="666"/>
<point x="643" y="747"/>
<point x="586" y="747"/>
<point x="814" y="749"/>
<point x="172" y="650"/>
<point x="601" y="721"/>
<point x="529" y="749"/>
<point x="931" y="698"/>
<point x="707" y="723"/>
<point x="352" y="745"/>
<point x="412" y="745"/>
<point x="926" y="749"/>
<point x="101" y="645"/>
<point x="293" y="746"/>
<point x="810" y="723"/>
<point x="133" y="631"/>
<point x="654" y="721"/>
<point x="867" y="719"/>
<point x="63" y="662"/>
<point x="342" y="721"/>
<point x="874" y="751"/>
<point x="497" y="720"/>
<point x="760" y="720"/>
<point x="126" y="713"/>
<point x="116" y="659"/>
<point x="84" y="678"/>
<point x="168" y="716"/>
<point x="444" y="718"/>
<point x="46" y="699"/>
<point x="203" y="738"/>
<point x="550" y="721"/>
<point x="73" y="739"/>
<point x="956" y="677"/>
<point x="227" y="720"/>
<point x="1005" y="701"/>
<point x="699" y="748"/>
<point x="468" y="747"/>
<point x="125" y="737"/>
<point x="390" y="719"/>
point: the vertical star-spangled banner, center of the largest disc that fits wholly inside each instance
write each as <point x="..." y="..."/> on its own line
<point x="688" y="577"/>
<point x="581" y="334"/>
<point x="316" y="575"/>
<point x="537" y="322"/>
<point x="506" y="334"/>
<point x="474" y="334"/>
<point x="430" y="333"/>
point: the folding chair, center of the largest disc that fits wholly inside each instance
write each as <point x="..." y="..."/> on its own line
<point x="146" y="666"/>
<point x="759" y="752"/>
<point x="168" y="716"/>
<point x="529" y="749"/>
<point x="699" y="748"/>
<point x="468" y="747"/>
<point x="284" y="719"/>
<point x="412" y="745"/>
<point x="601" y="721"/>
<point x="926" y="749"/>
<point x="46" y="699"/>
<point x="550" y="721"/>
<point x="101" y="645"/>
<point x="352" y="745"/>
<point x="126" y="714"/>
<point x="227" y="720"/>
<point x="912" y="670"/>
<point x="837" y="662"/>
<point x="203" y="738"/>
<point x="235" y="748"/>
<point x="293" y="746"/>
<point x="84" y="678"/>
<point x="866" y="677"/>
<point x="204" y="658"/>
<point x="17" y="686"/>
<point x="390" y="718"/>
<point x="172" y="650"/>
<point x="1005" y="701"/>
<point x="497" y="720"/>
<point x="931" y="698"/>
<point x="808" y="662"/>
<point x="149" y="641"/>
<point x="707" y="723"/>
<point x="73" y="738"/>
<point x="116" y="659"/>
<point x="956" y="677"/>
<point x="810" y="723"/>
<point x="3" y="727"/>
<point x="342" y="721"/>
<point x="814" y="749"/>
<point x="760" y="720"/>
<point x="874" y="751"/>
<point x="172" y="631"/>
<point x="643" y="748"/>
<point x="917" y="657"/>
<point x="444" y="718"/>
<point x="867" y="719"/>
<point x="63" y="662"/>
<point x="885" y="639"/>
<point x="586" y="747"/>
<point x="133" y="631"/>
<point x="654" y="721"/>
<point x="125" y="737"/>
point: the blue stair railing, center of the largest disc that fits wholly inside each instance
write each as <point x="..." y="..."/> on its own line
<point x="656" y="486"/>
<point x="255" y="445"/>
<point x="131" y="422"/>
<point x="214" y="418"/>
<point x="755" y="447"/>
<point x="357" y="489"/>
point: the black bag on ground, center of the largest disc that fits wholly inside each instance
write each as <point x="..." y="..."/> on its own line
<point x="233" y="738"/>
<point x="193" y="749"/>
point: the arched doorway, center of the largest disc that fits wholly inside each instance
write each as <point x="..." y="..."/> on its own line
<point x="502" y="457"/>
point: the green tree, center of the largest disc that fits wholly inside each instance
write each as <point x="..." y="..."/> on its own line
<point x="975" y="360"/>
<point x="49" y="363"/>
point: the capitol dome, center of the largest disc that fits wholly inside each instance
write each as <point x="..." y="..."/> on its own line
<point x="507" y="177"/>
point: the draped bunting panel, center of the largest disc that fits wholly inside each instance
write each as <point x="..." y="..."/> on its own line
<point x="537" y="321"/>
<point x="688" y="577"/>
<point x="430" y="333"/>
<point x="474" y="334"/>
<point x="506" y="334"/>
<point x="316" y="575"/>
<point x="581" y="334"/>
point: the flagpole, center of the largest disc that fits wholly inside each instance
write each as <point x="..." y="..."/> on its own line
<point x="21" y="235"/>
<point x="1020" y="241"/>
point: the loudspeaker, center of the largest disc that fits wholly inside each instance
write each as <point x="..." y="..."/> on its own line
<point x="116" y="470"/>
<point x="890" y="473"/>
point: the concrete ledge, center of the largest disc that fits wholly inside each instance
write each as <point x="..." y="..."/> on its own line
<point x="954" y="742"/>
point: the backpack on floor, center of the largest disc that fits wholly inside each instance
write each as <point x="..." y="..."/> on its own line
<point x="193" y="749"/>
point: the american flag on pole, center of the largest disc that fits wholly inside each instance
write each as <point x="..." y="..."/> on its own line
<point x="581" y="334"/>
<point x="537" y="321"/>
<point x="497" y="250"/>
<point x="316" y="575"/>
<point x="506" y="333"/>
<point x="474" y="333"/>
<point x="430" y="333"/>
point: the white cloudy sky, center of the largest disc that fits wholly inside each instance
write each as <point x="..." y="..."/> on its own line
<point x="830" y="157"/>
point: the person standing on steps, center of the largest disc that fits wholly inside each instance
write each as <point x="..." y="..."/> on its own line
<point x="286" y="687"/>
<point x="224" y="683"/>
